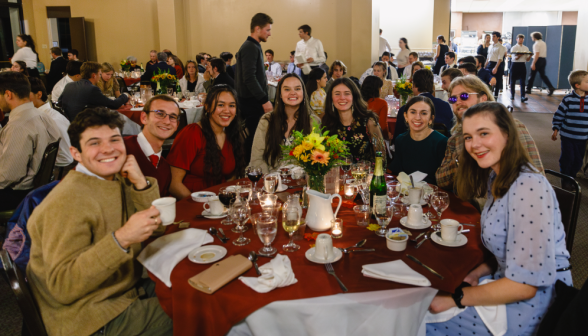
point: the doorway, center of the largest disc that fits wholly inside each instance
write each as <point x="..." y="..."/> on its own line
<point x="66" y="32"/>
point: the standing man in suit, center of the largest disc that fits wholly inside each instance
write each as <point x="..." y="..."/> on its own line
<point x="250" y="79"/>
<point x="77" y="95"/>
<point x="154" y="69"/>
<point x="57" y="69"/>
<point x="216" y="71"/>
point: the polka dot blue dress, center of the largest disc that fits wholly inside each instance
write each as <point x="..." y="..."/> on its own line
<point x="523" y="230"/>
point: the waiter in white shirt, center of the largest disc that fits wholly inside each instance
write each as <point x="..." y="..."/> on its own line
<point x="518" y="69"/>
<point x="310" y="49"/>
<point x="384" y="45"/>
<point x="27" y="54"/>
<point x="275" y="68"/>
<point x="495" y="62"/>
<point x="539" y="62"/>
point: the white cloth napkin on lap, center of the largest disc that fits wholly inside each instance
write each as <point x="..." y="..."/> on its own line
<point x="162" y="255"/>
<point x="276" y="273"/>
<point x="396" y="271"/>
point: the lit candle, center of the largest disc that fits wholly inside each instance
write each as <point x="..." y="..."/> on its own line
<point x="337" y="228"/>
<point x="336" y="232"/>
<point x="349" y="191"/>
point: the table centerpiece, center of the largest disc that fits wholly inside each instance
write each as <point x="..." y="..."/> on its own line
<point x="404" y="89"/>
<point x="164" y="80"/>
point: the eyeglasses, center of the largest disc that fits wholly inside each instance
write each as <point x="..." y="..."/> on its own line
<point x="159" y="114"/>
<point x="464" y="96"/>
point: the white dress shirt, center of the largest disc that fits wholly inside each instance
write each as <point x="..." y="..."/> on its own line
<point x="81" y="169"/>
<point x="26" y="55"/>
<point x="407" y="71"/>
<point x="292" y="68"/>
<point x="313" y="48"/>
<point x="496" y="52"/>
<point x="384" y="46"/>
<point x="541" y="47"/>
<point x="275" y="68"/>
<point x="58" y="88"/>
<point x="64" y="157"/>
<point x="519" y="48"/>
<point x="146" y="147"/>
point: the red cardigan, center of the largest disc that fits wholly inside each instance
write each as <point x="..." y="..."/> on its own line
<point x="380" y="107"/>
<point x="163" y="171"/>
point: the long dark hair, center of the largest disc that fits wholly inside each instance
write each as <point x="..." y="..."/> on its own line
<point x="187" y="75"/>
<point x="403" y="39"/>
<point x="30" y="43"/>
<point x="278" y="123"/>
<point x="23" y="67"/>
<point x="213" y="164"/>
<point x="331" y="119"/>
<point x="315" y="75"/>
<point x="471" y="179"/>
<point x="371" y="87"/>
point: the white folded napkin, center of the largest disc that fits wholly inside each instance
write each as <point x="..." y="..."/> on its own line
<point x="277" y="273"/>
<point x="162" y="255"/>
<point x="396" y="271"/>
<point x="494" y="317"/>
<point x="404" y="180"/>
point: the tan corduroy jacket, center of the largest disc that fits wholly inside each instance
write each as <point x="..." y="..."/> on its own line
<point x="80" y="278"/>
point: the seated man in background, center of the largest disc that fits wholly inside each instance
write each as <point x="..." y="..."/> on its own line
<point x="216" y="73"/>
<point x="274" y="67"/>
<point x="84" y="93"/>
<point x="72" y="55"/>
<point x="292" y="68"/>
<point x="22" y="141"/>
<point x="39" y="98"/>
<point x="72" y="74"/>
<point x="449" y="61"/>
<point x="412" y="57"/>
<point x="468" y="69"/>
<point x="160" y="121"/>
<point x="152" y="70"/>
<point x="85" y="276"/>
<point x="57" y="69"/>
<point x="447" y="76"/>
<point x="152" y="59"/>
<point x="483" y="74"/>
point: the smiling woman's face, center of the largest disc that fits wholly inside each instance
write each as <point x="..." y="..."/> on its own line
<point x="484" y="140"/>
<point x="226" y="109"/>
<point x="292" y="92"/>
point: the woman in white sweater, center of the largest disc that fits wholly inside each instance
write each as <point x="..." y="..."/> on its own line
<point x="192" y="81"/>
<point x="402" y="57"/>
<point x="27" y="54"/>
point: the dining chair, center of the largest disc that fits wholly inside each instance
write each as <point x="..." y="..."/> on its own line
<point x="32" y="321"/>
<point x="441" y="128"/>
<point x="45" y="172"/>
<point x="122" y="84"/>
<point x="568" y="196"/>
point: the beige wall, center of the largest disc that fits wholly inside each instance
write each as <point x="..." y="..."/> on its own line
<point x="569" y="18"/>
<point x="456" y="22"/>
<point x="482" y="22"/>
<point x="441" y="19"/>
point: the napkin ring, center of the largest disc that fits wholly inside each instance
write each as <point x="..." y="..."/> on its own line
<point x="458" y="295"/>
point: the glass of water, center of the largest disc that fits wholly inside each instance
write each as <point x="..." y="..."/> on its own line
<point x="267" y="228"/>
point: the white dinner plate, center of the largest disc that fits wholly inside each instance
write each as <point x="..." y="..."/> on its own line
<point x="425" y="224"/>
<point x="310" y="256"/>
<point x="284" y="187"/>
<point x="460" y="240"/>
<point x="206" y="214"/>
<point x="405" y="201"/>
<point x="207" y="254"/>
<point x="202" y="196"/>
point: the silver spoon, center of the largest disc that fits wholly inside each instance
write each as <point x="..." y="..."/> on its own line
<point x="253" y="258"/>
<point x="349" y="250"/>
<point x="212" y="231"/>
<point x="223" y="234"/>
<point x="359" y="244"/>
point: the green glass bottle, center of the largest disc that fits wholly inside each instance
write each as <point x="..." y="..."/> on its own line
<point x="378" y="190"/>
<point x="178" y="90"/>
<point x="142" y="70"/>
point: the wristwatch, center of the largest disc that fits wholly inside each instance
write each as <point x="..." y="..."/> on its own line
<point x="147" y="187"/>
<point x="458" y="295"/>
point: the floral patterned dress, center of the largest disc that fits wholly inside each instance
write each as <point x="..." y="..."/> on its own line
<point x="317" y="101"/>
<point x="357" y="135"/>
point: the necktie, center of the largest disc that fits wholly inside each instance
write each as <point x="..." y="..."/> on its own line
<point x="154" y="159"/>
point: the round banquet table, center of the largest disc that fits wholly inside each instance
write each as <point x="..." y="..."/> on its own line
<point x="196" y="313"/>
<point x="131" y="81"/>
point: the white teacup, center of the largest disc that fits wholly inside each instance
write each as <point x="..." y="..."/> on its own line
<point x="215" y="207"/>
<point x="415" y="195"/>
<point x="450" y="229"/>
<point x="415" y="215"/>
<point x="323" y="250"/>
<point x="167" y="209"/>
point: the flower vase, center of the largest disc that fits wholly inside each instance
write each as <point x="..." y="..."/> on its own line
<point x="160" y="89"/>
<point x="316" y="182"/>
<point x="403" y="100"/>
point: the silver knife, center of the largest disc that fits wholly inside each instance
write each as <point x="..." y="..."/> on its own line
<point x="425" y="266"/>
<point x="424" y="239"/>
<point x="221" y="231"/>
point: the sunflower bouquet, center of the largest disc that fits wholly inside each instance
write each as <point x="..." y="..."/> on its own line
<point x="164" y="80"/>
<point x="125" y="65"/>
<point x="317" y="153"/>
<point x="404" y="88"/>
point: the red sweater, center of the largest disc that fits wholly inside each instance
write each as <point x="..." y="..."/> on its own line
<point x="162" y="173"/>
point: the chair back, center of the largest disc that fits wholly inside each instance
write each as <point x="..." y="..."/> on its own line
<point x="45" y="172"/>
<point x="569" y="204"/>
<point x="442" y="128"/>
<point x="20" y="287"/>
<point x="122" y="84"/>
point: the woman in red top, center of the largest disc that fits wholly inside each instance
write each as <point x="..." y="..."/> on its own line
<point x="370" y="91"/>
<point x="174" y="61"/>
<point x="209" y="152"/>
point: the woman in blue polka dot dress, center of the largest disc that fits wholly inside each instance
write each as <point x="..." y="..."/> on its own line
<point x="521" y="226"/>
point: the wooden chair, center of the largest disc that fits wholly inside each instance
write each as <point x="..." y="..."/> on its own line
<point x="32" y="320"/>
<point x="441" y="128"/>
<point x="45" y="172"/>
<point x="569" y="204"/>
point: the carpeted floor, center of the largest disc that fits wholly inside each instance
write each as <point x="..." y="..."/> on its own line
<point x="536" y="115"/>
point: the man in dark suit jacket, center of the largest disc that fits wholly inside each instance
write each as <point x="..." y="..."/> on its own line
<point x="202" y="60"/>
<point x="154" y="69"/>
<point x="217" y="72"/>
<point x="77" y="95"/>
<point x="57" y="69"/>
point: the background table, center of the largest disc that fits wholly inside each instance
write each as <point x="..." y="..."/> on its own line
<point x="192" y="311"/>
<point x="131" y="81"/>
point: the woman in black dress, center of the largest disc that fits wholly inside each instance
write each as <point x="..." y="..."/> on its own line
<point x="483" y="48"/>
<point x="442" y="48"/>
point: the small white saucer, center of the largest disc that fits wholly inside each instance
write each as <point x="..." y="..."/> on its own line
<point x="405" y="201"/>
<point x="284" y="187"/>
<point x="425" y="224"/>
<point x="207" y="254"/>
<point x="460" y="240"/>
<point x="206" y="214"/>
<point x="310" y="256"/>
<point x="202" y="196"/>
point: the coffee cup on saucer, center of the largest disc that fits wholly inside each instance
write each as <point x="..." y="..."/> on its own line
<point x="167" y="209"/>
<point x="450" y="229"/>
<point x="415" y="215"/>
<point x="323" y="249"/>
<point x="214" y="206"/>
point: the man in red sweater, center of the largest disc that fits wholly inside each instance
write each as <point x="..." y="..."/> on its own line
<point x="160" y="119"/>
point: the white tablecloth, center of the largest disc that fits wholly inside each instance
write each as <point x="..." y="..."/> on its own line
<point x="193" y="114"/>
<point x="397" y="312"/>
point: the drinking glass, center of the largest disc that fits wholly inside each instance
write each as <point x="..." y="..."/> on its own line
<point x="428" y="191"/>
<point x="440" y="202"/>
<point x="267" y="228"/>
<point x="170" y="92"/>
<point x="384" y="216"/>
<point x="237" y="228"/>
<point x="284" y="173"/>
<point x="245" y="190"/>
<point x="400" y="209"/>
<point x="270" y="183"/>
<point x="393" y="191"/>
<point x="254" y="174"/>
<point x="364" y="191"/>
<point x="346" y="167"/>
<point x="133" y="101"/>
<point x="227" y="195"/>
<point x="240" y="214"/>
<point x="137" y="96"/>
<point x="290" y="223"/>
<point x="269" y="203"/>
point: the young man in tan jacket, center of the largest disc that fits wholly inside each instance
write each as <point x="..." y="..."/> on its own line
<point x="87" y="233"/>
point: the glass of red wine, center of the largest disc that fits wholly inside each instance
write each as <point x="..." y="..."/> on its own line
<point x="227" y="195"/>
<point x="254" y="174"/>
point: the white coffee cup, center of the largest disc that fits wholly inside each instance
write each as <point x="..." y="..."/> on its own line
<point x="414" y="195"/>
<point x="415" y="215"/>
<point x="167" y="209"/>
<point x="215" y="207"/>
<point x="449" y="229"/>
<point x="323" y="250"/>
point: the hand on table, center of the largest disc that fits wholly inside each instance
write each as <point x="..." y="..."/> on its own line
<point x="132" y="171"/>
<point x="441" y="303"/>
<point x="138" y="228"/>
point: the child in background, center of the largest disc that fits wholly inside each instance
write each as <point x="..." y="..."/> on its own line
<point x="571" y="122"/>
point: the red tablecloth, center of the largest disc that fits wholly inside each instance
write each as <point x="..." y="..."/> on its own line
<point x="133" y="115"/>
<point x="131" y="81"/>
<point x="391" y="125"/>
<point x="196" y="313"/>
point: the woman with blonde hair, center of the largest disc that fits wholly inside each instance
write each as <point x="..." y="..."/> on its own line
<point x="107" y="83"/>
<point x="418" y="65"/>
<point x="381" y="71"/>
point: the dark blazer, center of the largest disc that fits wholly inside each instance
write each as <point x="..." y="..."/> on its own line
<point x="443" y="114"/>
<point x="77" y="95"/>
<point x="56" y="72"/>
<point x="250" y="79"/>
<point x="231" y="71"/>
<point x="224" y="78"/>
<point x="201" y="68"/>
<point x="154" y="69"/>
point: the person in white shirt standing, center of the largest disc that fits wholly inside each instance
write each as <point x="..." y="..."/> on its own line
<point x="310" y="49"/>
<point x="274" y="67"/>
<point x="539" y="62"/>
<point x="495" y="61"/>
<point x="27" y="54"/>
<point x="384" y="45"/>
<point x="73" y="75"/>
<point x="518" y="69"/>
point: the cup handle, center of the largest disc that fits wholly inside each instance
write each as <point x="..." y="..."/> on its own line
<point x="460" y="227"/>
<point x="204" y="206"/>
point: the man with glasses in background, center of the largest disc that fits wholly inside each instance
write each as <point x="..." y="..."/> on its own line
<point x="160" y="119"/>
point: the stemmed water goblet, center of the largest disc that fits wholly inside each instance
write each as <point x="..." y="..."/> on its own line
<point x="245" y="190"/>
<point x="291" y="222"/>
<point x="267" y="227"/>
<point x="384" y="216"/>
<point x="240" y="213"/>
<point x="392" y="190"/>
<point x="346" y="167"/>
<point x="440" y="202"/>
<point x="428" y="192"/>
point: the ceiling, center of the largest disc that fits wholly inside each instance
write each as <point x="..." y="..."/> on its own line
<point x="515" y="5"/>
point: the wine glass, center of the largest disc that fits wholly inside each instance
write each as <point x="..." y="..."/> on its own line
<point x="284" y="173"/>
<point x="227" y="195"/>
<point x="291" y="222"/>
<point x="270" y="183"/>
<point x="240" y="214"/>
<point x="364" y="191"/>
<point x="254" y="174"/>
<point x="393" y="192"/>
<point x="267" y="228"/>
<point x="428" y="191"/>
<point x="384" y="216"/>
<point x="358" y="172"/>
<point x="440" y="202"/>
<point x="346" y="166"/>
<point x="245" y="192"/>
<point x="170" y="91"/>
<point x="132" y="101"/>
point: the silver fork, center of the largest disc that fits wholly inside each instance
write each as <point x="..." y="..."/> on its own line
<point x="331" y="271"/>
